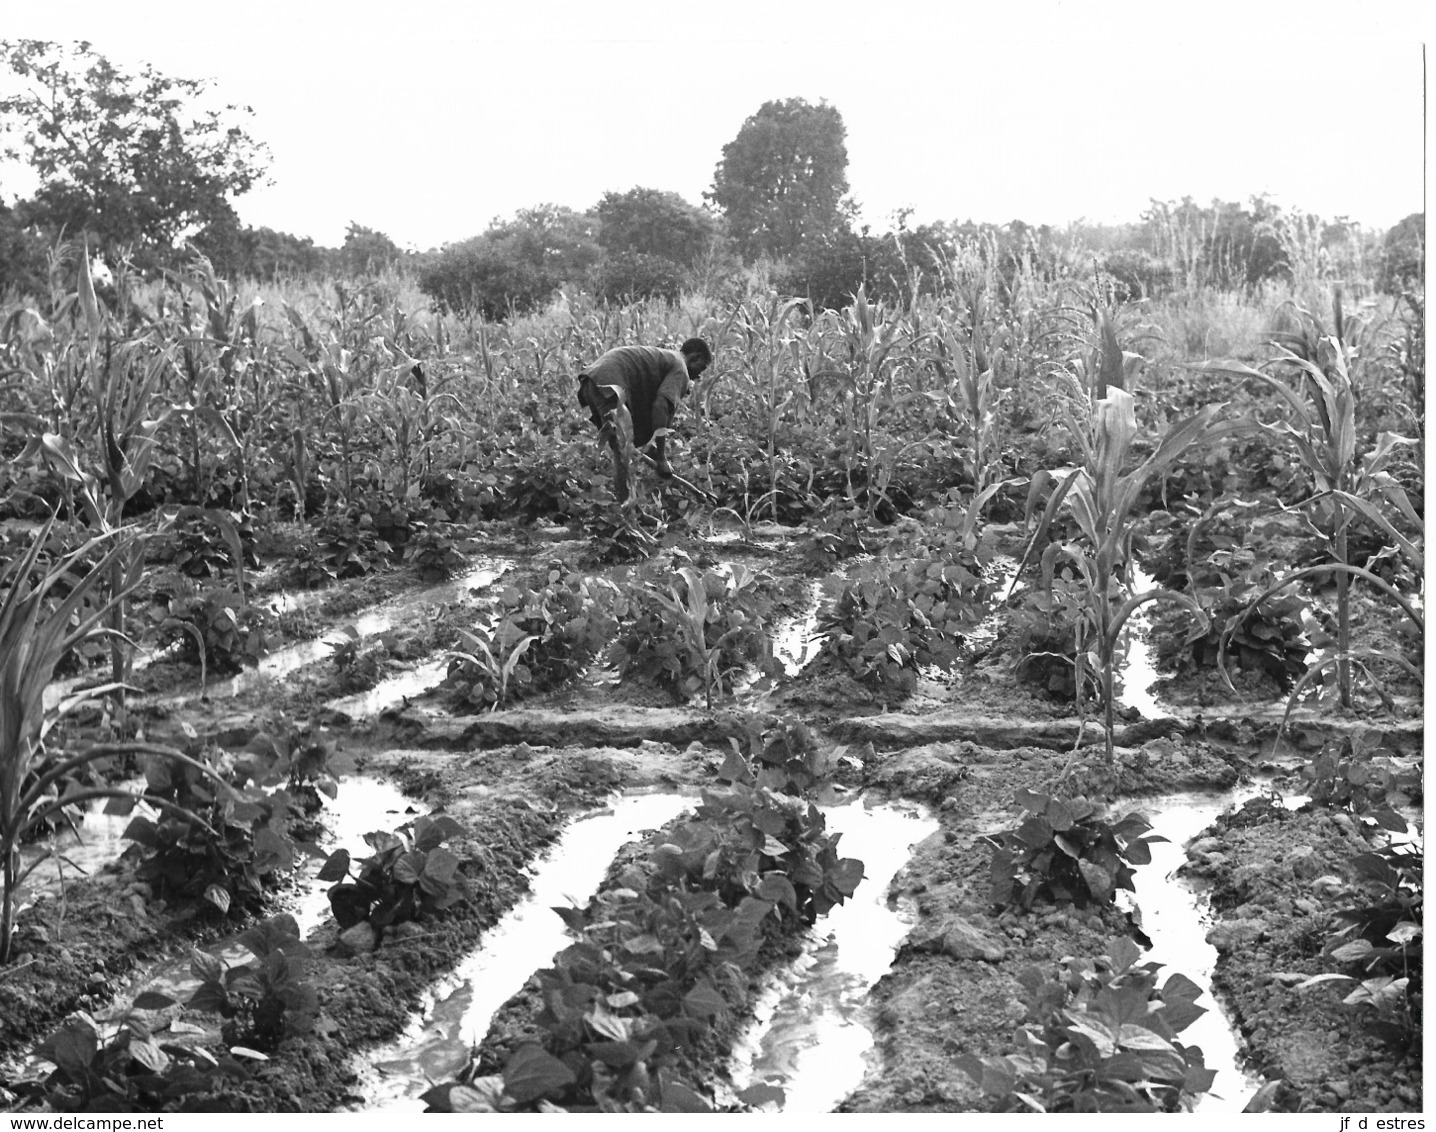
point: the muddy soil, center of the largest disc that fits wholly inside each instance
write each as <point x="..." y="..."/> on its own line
<point x="963" y="744"/>
<point x="1277" y="879"/>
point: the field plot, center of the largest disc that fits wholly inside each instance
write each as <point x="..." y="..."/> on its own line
<point x="1035" y="721"/>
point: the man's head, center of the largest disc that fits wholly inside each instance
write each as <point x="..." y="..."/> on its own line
<point x="697" y="355"/>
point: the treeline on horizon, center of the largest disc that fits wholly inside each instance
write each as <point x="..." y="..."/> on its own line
<point x="135" y="166"/>
<point x="646" y="242"/>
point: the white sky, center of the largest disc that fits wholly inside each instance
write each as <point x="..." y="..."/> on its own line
<point x="425" y="119"/>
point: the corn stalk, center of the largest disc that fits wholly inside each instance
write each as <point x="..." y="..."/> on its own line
<point x="769" y="333"/>
<point x="1101" y="496"/>
<point x="1320" y="424"/>
<point x="36" y="631"/>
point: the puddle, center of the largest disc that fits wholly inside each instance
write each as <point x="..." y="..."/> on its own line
<point x="1176" y="919"/>
<point x="809" y="1036"/>
<point x="392" y="690"/>
<point x="295" y="601"/>
<point x="459" y="1009"/>
<point x="1139" y="671"/>
<point x="387" y="615"/>
<point x="82" y="852"/>
<point x="795" y="640"/>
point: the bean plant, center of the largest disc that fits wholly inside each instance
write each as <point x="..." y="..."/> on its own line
<point x="698" y="631"/>
<point x="1100" y="1036"/>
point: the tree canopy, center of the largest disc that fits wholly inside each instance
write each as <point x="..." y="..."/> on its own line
<point x="782" y="182"/>
<point x="132" y="158"/>
<point x="653" y="222"/>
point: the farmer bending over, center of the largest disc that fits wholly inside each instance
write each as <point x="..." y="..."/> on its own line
<point x="651" y="383"/>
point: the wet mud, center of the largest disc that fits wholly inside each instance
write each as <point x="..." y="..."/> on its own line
<point x="961" y="747"/>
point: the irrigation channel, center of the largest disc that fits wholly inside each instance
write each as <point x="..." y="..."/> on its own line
<point x="812" y="1034"/>
<point x="1174" y="916"/>
<point x="397" y="611"/>
<point x="814" y="1007"/>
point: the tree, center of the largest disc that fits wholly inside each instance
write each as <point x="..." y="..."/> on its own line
<point x="1402" y="266"/>
<point x="128" y="157"/>
<point x="24" y="254"/>
<point x="515" y="266"/>
<point x="367" y="252"/>
<point x="260" y="253"/>
<point x="651" y="222"/>
<point x="782" y="181"/>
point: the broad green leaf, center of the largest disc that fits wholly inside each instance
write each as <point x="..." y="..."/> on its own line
<point x="409" y="867"/>
<point x="703" y="1001"/>
<point x="1097" y="1032"/>
<point x="778" y="888"/>
<point x="1353" y="951"/>
<point x="1404" y="932"/>
<point x="531" y="1073"/>
<point x="483" y="1095"/>
<point x="846" y="875"/>
<point x="148" y="1054"/>
<point x="440" y="866"/>
<point x="205" y="967"/>
<point x="336" y="867"/>
<point x="608" y="1024"/>
<point x="1100" y="881"/>
<point x="1141" y="1038"/>
<point x="71" y="1048"/>
<point x="678" y="1097"/>
<point x="761" y="1095"/>
<point x="1123" y="952"/>
<point x="1035" y="832"/>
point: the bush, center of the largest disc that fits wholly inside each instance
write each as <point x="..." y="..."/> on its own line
<point x="630" y="276"/>
<point x="483" y="277"/>
<point x="1403" y="256"/>
<point x="266" y="1000"/>
<point x="515" y="266"/>
<point x="830" y="272"/>
<point x="24" y="264"/>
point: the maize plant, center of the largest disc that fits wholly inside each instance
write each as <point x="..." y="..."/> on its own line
<point x="125" y="388"/>
<point x="878" y="348"/>
<point x="1316" y="389"/>
<point x="217" y="363"/>
<point x="770" y="335"/>
<point x="972" y="398"/>
<point x="1100" y="495"/>
<point x="698" y="632"/>
<point x="36" y="630"/>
